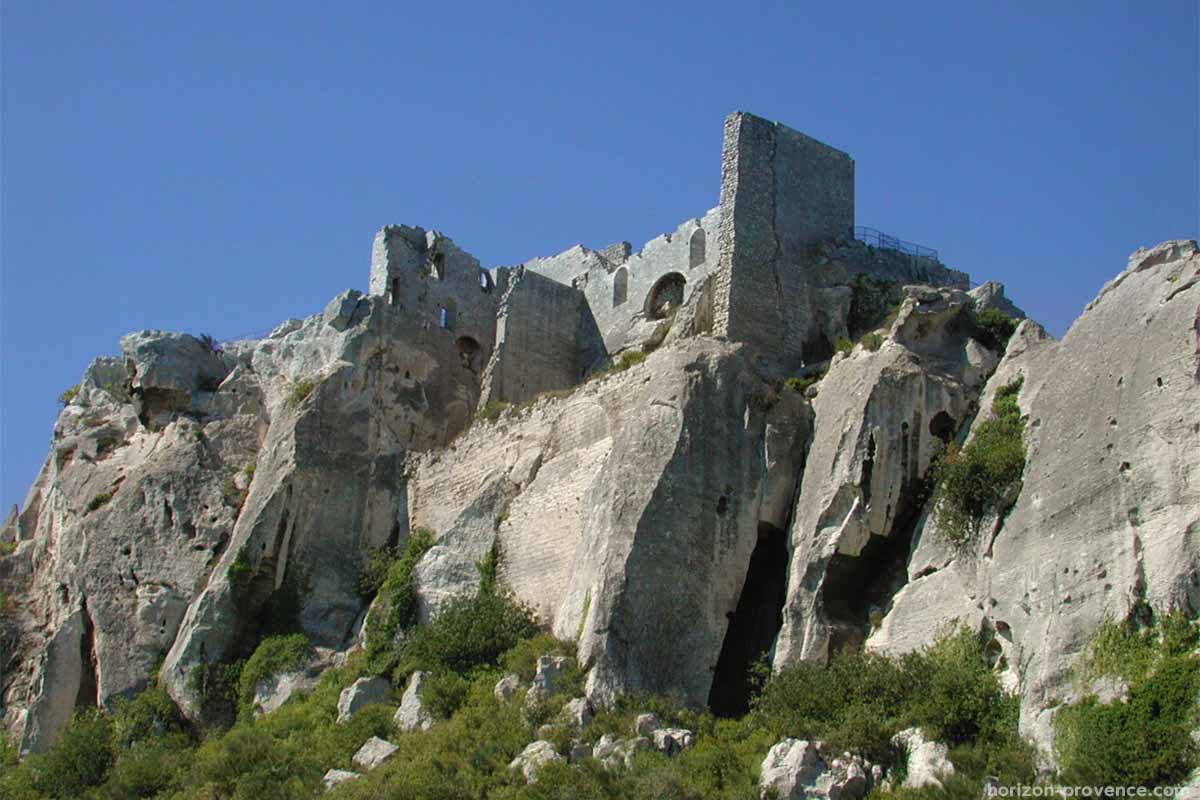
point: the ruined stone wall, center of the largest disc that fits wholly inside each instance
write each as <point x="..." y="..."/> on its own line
<point x="782" y="193"/>
<point x="620" y="288"/>
<point x="545" y="340"/>
<point x="425" y="274"/>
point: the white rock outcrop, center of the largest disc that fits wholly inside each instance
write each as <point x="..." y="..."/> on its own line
<point x="533" y="758"/>
<point x="374" y="752"/>
<point x="928" y="763"/>
<point x="412" y="714"/>
<point x="363" y="692"/>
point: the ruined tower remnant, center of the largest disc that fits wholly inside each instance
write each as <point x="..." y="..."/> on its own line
<point x="769" y="267"/>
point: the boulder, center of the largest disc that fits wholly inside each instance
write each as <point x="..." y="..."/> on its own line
<point x="614" y="753"/>
<point x="672" y="741"/>
<point x="273" y="692"/>
<point x="577" y="714"/>
<point x="340" y="314"/>
<point x="507" y="687"/>
<point x="336" y="777"/>
<point x="374" y="752"/>
<point x="535" y="756"/>
<point x="362" y="692"/>
<point x="798" y="770"/>
<point x="928" y="762"/>
<point x="412" y="714"/>
<point x="646" y="724"/>
<point x="546" y="680"/>
<point x="790" y="768"/>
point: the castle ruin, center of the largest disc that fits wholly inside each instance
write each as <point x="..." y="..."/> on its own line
<point x="769" y="267"/>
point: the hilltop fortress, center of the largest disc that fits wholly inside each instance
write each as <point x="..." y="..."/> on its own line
<point x="769" y="267"/>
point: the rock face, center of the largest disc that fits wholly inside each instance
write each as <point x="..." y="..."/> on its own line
<point x="880" y="420"/>
<point x="1105" y="520"/>
<point x="695" y="507"/>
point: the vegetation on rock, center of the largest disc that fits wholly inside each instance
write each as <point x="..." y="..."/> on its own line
<point x="982" y="477"/>
<point x="1145" y="738"/>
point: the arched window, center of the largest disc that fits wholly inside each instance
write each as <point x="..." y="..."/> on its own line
<point x="620" y="287"/>
<point x="696" y="249"/>
<point x="447" y="319"/>
<point x="438" y="266"/>
<point x="666" y="296"/>
<point x="485" y="282"/>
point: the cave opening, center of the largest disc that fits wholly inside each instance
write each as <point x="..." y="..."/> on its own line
<point x="753" y="625"/>
<point x="856" y="586"/>
<point x="88" y="695"/>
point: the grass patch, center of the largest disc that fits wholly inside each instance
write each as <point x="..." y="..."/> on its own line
<point x="982" y="478"/>
<point x="843" y="345"/>
<point x="493" y="410"/>
<point x="300" y="391"/>
<point x="99" y="501"/>
<point x="274" y="655"/>
<point x="1144" y="740"/>
<point x="68" y="395"/>
<point x="872" y="342"/>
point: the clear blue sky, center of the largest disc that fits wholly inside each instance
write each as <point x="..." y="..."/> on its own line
<point x="218" y="167"/>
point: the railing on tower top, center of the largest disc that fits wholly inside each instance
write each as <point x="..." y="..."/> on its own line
<point x="882" y="240"/>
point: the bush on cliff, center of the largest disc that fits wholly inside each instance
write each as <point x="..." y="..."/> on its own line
<point x="982" y="478"/>
<point x="1144" y="739"/>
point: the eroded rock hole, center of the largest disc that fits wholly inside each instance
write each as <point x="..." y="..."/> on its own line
<point x="89" y="686"/>
<point x="753" y="625"/>
<point x="857" y="589"/>
<point x="943" y="426"/>
<point x="868" y="468"/>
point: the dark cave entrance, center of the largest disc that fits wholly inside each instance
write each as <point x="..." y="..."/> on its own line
<point x="854" y="585"/>
<point x="754" y="625"/>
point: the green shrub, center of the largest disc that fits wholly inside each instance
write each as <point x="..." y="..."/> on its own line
<point x="982" y="477"/>
<point x="993" y="328"/>
<point x="99" y="501"/>
<point x="375" y="571"/>
<point x="274" y="655"/>
<point x="150" y="715"/>
<point x="8" y="547"/>
<point x="493" y="410"/>
<point x="469" y="631"/>
<point x="68" y="395"/>
<point x="300" y="391"/>
<point x="398" y="611"/>
<point x="629" y="358"/>
<point x="1146" y="739"/>
<point x="241" y="572"/>
<point x="81" y="759"/>
<point x="860" y="700"/>
<point x="872" y="299"/>
<point x="843" y="345"/>
<point x="872" y="342"/>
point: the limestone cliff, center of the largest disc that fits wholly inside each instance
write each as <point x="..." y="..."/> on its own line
<point x="667" y="483"/>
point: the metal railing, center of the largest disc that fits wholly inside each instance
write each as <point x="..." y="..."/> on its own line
<point x="884" y="241"/>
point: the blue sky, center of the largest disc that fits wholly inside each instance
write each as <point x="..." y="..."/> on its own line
<point x="218" y="167"/>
